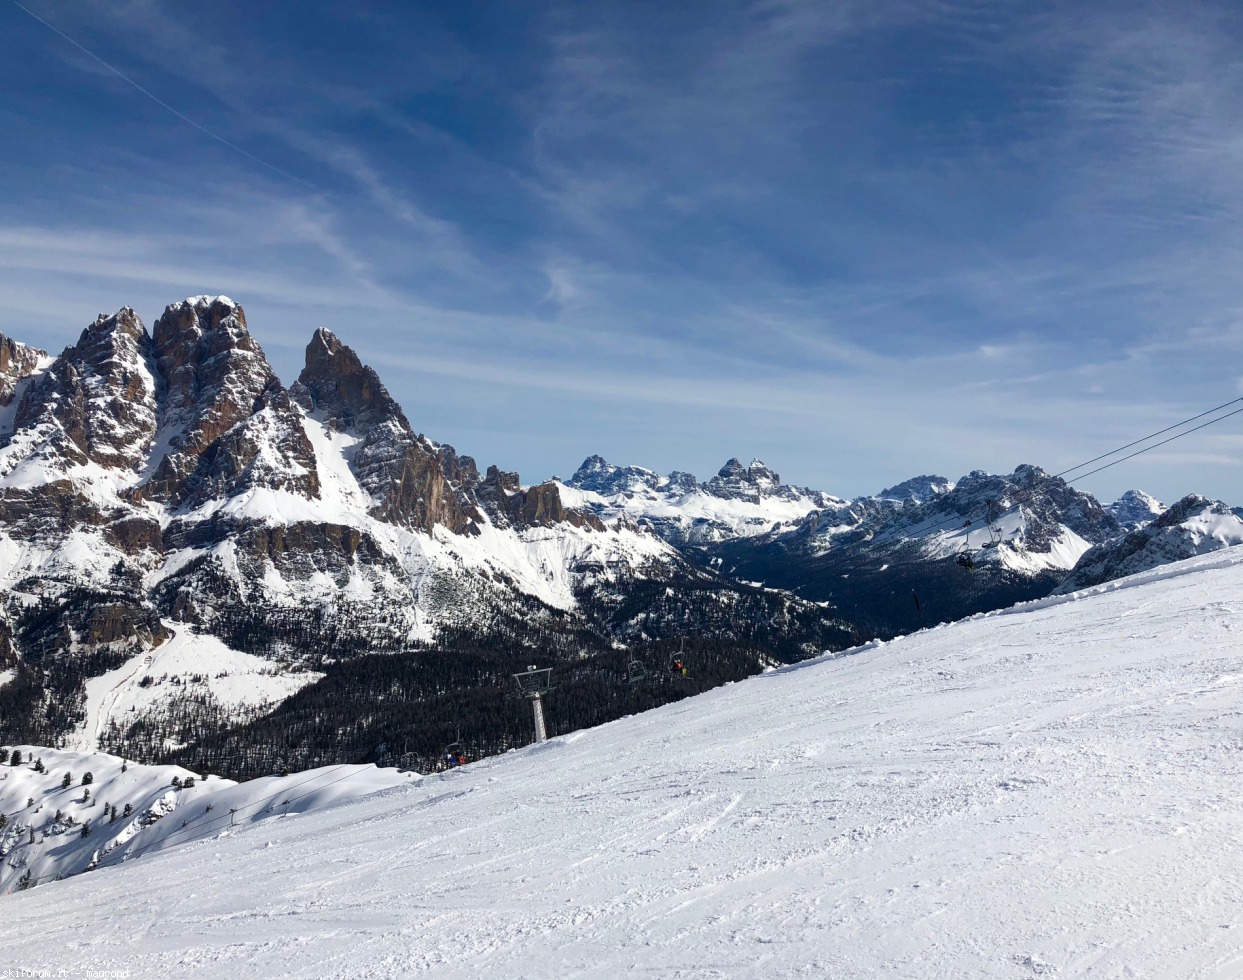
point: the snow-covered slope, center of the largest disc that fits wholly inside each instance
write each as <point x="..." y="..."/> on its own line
<point x="1048" y="791"/>
<point x="130" y="810"/>
<point x="188" y="667"/>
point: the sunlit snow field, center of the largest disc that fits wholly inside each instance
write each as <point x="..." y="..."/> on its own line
<point x="1055" y="790"/>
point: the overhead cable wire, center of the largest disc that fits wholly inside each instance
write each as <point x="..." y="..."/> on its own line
<point x="1151" y="435"/>
<point x="160" y="102"/>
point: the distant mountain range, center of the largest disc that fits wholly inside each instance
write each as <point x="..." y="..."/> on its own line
<point x="174" y="519"/>
<point x="887" y="562"/>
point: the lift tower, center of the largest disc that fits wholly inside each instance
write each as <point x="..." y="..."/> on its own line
<point x="534" y="683"/>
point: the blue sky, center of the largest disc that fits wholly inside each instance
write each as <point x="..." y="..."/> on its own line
<point x="857" y="240"/>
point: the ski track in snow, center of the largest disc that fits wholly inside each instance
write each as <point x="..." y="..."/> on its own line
<point x="1048" y="791"/>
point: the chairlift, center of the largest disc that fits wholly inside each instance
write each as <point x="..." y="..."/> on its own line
<point x="636" y="672"/>
<point x="995" y="534"/>
<point x="454" y="754"/>
<point x="677" y="666"/>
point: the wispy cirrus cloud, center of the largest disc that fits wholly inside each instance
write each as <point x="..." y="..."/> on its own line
<point x="858" y="239"/>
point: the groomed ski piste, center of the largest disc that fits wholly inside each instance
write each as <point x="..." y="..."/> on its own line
<point x="1052" y="790"/>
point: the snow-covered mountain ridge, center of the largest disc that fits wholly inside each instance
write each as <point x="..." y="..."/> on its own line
<point x="886" y="561"/>
<point x="1193" y="526"/>
<point x="1038" y="522"/>
<point x="174" y="518"/>
<point x="740" y="501"/>
<point x="1050" y="790"/>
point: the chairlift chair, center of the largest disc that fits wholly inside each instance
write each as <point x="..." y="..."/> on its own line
<point x="677" y="665"/>
<point x="995" y="533"/>
<point x="636" y="672"/>
<point x="454" y="753"/>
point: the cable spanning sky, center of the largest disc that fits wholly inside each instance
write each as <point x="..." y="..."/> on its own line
<point x="860" y="241"/>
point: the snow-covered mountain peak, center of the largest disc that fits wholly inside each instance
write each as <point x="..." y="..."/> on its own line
<point x="93" y="406"/>
<point x="735" y="481"/>
<point x="918" y="488"/>
<point x="216" y="377"/>
<point x="342" y="391"/>
<point x="411" y="481"/>
<point x="598" y="475"/>
<point x="1135" y="508"/>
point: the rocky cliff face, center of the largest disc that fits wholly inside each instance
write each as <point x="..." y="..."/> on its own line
<point x="17" y="361"/>
<point x="226" y="423"/>
<point x="411" y="481"/>
<point x="95" y="404"/>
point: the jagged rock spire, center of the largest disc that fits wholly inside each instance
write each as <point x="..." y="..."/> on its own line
<point x="216" y="378"/>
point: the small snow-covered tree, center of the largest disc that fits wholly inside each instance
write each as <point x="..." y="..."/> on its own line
<point x="39" y="766"/>
<point x="176" y="782"/>
<point x="88" y="778"/>
<point x="4" y="821"/>
<point x="128" y="811"/>
<point x="189" y="783"/>
<point x="86" y="795"/>
<point x="86" y="829"/>
<point x="65" y="783"/>
<point x="16" y="758"/>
